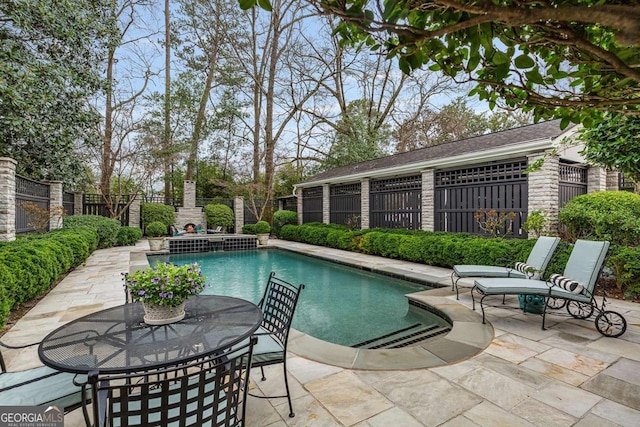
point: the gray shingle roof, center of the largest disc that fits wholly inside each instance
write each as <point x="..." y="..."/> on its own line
<point x="545" y="130"/>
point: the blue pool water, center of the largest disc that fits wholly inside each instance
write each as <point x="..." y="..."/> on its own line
<point x="339" y="304"/>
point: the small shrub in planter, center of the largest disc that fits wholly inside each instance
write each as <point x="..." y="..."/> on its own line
<point x="156" y="229"/>
<point x="219" y="215"/>
<point x="263" y="227"/>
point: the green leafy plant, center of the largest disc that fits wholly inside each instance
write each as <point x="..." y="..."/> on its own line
<point x="282" y="218"/>
<point x="156" y="229"/>
<point x="249" y="229"/>
<point x="158" y="212"/>
<point x="167" y="284"/>
<point x="106" y="228"/>
<point x="219" y="214"/>
<point x="262" y="227"/>
<point x="128" y="236"/>
<point x="604" y="215"/>
<point x="536" y="220"/>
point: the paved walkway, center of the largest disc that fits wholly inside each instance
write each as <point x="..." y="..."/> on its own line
<point x="566" y="375"/>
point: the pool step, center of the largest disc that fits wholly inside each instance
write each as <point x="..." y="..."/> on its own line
<point x="405" y="337"/>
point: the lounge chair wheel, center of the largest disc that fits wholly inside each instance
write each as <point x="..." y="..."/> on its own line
<point x="611" y="324"/>
<point x="580" y="310"/>
<point x="556" y="303"/>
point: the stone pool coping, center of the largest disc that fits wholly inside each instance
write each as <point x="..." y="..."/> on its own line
<point x="468" y="335"/>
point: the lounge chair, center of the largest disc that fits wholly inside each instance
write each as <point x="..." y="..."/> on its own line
<point x="532" y="268"/>
<point x="576" y="286"/>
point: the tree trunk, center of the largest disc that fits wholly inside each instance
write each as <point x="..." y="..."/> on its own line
<point x="166" y="137"/>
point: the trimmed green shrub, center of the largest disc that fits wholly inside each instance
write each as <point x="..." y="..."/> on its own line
<point x="604" y="215"/>
<point x="625" y="263"/>
<point x="29" y="266"/>
<point x="282" y="218"/>
<point x="263" y="227"/>
<point x="151" y="212"/>
<point x="7" y="284"/>
<point x="219" y="215"/>
<point x="106" y="228"/>
<point x="156" y="229"/>
<point x="128" y="236"/>
<point x="249" y="229"/>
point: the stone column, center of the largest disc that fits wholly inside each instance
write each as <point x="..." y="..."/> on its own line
<point x="238" y="213"/>
<point x="428" y="200"/>
<point x="299" y="204"/>
<point x="134" y="211"/>
<point x="326" y="219"/>
<point x="77" y="202"/>
<point x="7" y="199"/>
<point x="544" y="190"/>
<point x="596" y="179"/>
<point x="364" y="203"/>
<point x="613" y="180"/>
<point x="56" y="202"/>
<point x="189" y="194"/>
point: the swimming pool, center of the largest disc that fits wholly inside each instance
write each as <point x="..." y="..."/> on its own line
<point x="339" y="304"/>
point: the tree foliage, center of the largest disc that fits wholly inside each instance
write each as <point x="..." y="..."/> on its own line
<point x="614" y="143"/>
<point x="561" y="58"/>
<point x="48" y="71"/>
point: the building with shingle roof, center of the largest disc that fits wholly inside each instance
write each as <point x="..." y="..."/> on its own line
<point x="444" y="187"/>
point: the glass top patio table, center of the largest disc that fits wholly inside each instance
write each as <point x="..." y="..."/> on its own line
<point x="117" y="340"/>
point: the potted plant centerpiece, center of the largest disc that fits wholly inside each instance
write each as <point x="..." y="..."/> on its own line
<point x="262" y="231"/>
<point x="163" y="291"/>
<point x="155" y="232"/>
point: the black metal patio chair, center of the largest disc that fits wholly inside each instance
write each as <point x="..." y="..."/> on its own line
<point x="207" y="391"/>
<point x="278" y="305"/>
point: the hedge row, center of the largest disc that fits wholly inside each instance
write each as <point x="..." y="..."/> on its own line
<point x="448" y="249"/>
<point x="30" y="265"/>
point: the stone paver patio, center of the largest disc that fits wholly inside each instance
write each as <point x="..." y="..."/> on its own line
<point x="566" y="375"/>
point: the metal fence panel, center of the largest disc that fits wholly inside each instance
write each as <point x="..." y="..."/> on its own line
<point x="345" y="204"/>
<point x="94" y="204"/>
<point x="312" y="204"/>
<point x="29" y="191"/>
<point x="396" y="203"/>
<point x="68" y="202"/>
<point x="573" y="182"/>
<point x="460" y="193"/>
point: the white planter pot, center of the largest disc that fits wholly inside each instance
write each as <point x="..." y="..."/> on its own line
<point x="263" y="239"/>
<point x="162" y="314"/>
<point x="156" y="243"/>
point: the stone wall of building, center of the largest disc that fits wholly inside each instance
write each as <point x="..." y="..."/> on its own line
<point x="326" y="204"/>
<point x="613" y="180"/>
<point x="544" y="190"/>
<point x="299" y="202"/>
<point x="56" y="203"/>
<point x="364" y="204"/>
<point x="428" y="200"/>
<point x="7" y="199"/>
<point x="596" y="180"/>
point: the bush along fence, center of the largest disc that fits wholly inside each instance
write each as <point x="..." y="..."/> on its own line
<point x="444" y="249"/>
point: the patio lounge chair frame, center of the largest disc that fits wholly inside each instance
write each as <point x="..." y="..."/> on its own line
<point x="278" y="306"/>
<point x="42" y="386"/>
<point x="536" y="264"/>
<point x="584" y="266"/>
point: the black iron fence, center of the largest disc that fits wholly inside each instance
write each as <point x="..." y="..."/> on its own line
<point x="396" y="203"/>
<point x="68" y="202"/>
<point x="312" y="204"/>
<point x="95" y="204"/>
<point x="572" y="182"/>
<point x="461" y="193"/>
<point x="29" y="193"/>
<point x="345" y="205"/>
